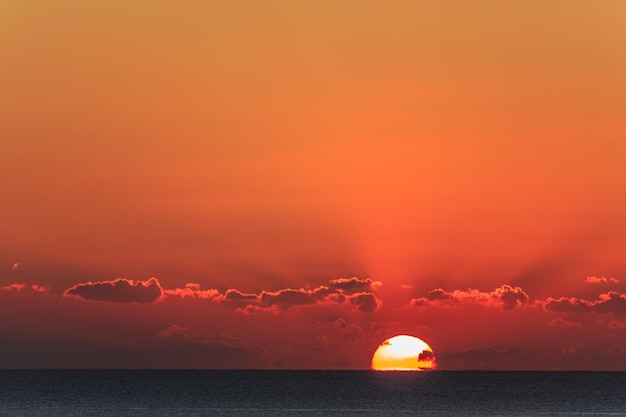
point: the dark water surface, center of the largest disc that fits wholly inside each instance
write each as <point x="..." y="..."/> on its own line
<point x="309" y="393"/>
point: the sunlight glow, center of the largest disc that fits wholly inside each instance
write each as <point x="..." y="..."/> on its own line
<point x="404" y="353"/>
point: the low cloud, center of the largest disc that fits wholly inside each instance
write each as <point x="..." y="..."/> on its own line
<point x="337" y="291"/>
<point x="184" y="348"/>
<point x="174" y="331"/>
<point x="609" y="303"/>
<point x="365" y="301"/>
<point x="505" y="297"/>
<point x="485" y="357"/>
<point x="192" y="290"/>
<point x="20" y="287"/>
<point x="352" y="330"/>
<point x="563" y="323"/>
<point x="601" y="280"/>
<point x="617" y="325"/>
<point x="14" y="287"/>
<point x="352" y="285"/>
<point x="120" y="290"/>
<point x="585" y="353"/>
<point x="236" y="295"/>
<point x="287" y="298"/>
<point x="251" y="309"/>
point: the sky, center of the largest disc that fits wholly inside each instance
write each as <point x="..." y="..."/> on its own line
<point x="284" y="185"/>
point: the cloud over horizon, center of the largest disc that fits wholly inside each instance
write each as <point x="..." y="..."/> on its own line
<point x="120" y="290"/>
<point x="601" y="280"/>
<point x="612" y="302"/>
<point x="181" y="346"/>
<point x="352" y="291"/>
<point x="505" y="297"/>
<point x="21" y="286"/>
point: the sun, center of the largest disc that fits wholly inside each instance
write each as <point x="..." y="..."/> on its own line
<point x="404" y="353"/>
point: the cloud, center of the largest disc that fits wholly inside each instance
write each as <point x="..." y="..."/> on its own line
<point x="338" y="291"/>
<point x="601" y="280"/>
<point x="485" y="357"/>
<point x="20" y="287"/>
<point x="612" y="302"/>
<point x="120" y="290"/>
<point x="184" y="348"/>
<point x="352" y="330"/>
<point x="174" y="331"/>
<point x="287" y="298"/>
<point x="609" y="303"/>
<point x="427" y="355"/>
<point x="14" y="287"/>
<point x="290" y="298"/>
<point x="563" y="323"/>
<point x="251" y="309"/>
<point x="365" y="301"/>
<point x="192" y="290"/>
<point x="617" y="325"/>
<point x="584" y="353"/>
<point x="510" y="297"/>
<point x="236" y="295"/>
<point x="352" y="285"/>
<point x="505" y="297"/>
<point x="40" y="288"/>
<point x="567" y="305"/>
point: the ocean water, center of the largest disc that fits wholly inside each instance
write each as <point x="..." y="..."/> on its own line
<point x="190" y="393"/>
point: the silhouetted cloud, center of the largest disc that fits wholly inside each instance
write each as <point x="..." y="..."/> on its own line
<point x="251" y="309"/>
<point x="184" y="348"/>
<point x="323" y="292"/>
<point x="485" y="357"/>
<point x="365" y="301"/>
<point x="338" y="291"/>
<point x="505" y="297"/>
<point x="120" y="290"/>
<point x="174" y="331"/>
<point x="235" y="295"/>
<point x="584" y="352"/>
<point x="568" y="305"/>
<point x="352" y="285"/>
<point x="426" y="355"/>
<point x="287" y="298"/>
<point x="192" y="290"/>
<point x="612" y="302"/>
<point x="352" y="330"/>
<point x="511" y="297"/>
<point x="559" y="322"/>
<point x="609" y="303"/>
<point x="601" y="280"/>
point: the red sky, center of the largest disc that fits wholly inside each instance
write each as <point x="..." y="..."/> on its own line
<point x="286" y="184"/>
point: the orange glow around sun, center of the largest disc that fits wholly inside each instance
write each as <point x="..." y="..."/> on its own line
<point x="404" y="353"/>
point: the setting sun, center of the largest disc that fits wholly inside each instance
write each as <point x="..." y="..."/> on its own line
<point x="404" y="353"/>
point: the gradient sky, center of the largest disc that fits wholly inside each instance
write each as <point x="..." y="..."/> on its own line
<point x="280" y="184"/>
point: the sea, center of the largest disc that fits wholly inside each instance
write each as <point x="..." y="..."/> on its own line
<point x="189" y="393"/>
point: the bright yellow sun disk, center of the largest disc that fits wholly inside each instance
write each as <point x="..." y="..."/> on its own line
<point x="403" y="353"/>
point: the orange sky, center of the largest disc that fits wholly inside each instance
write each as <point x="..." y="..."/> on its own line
<point x="266" y="146"/>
